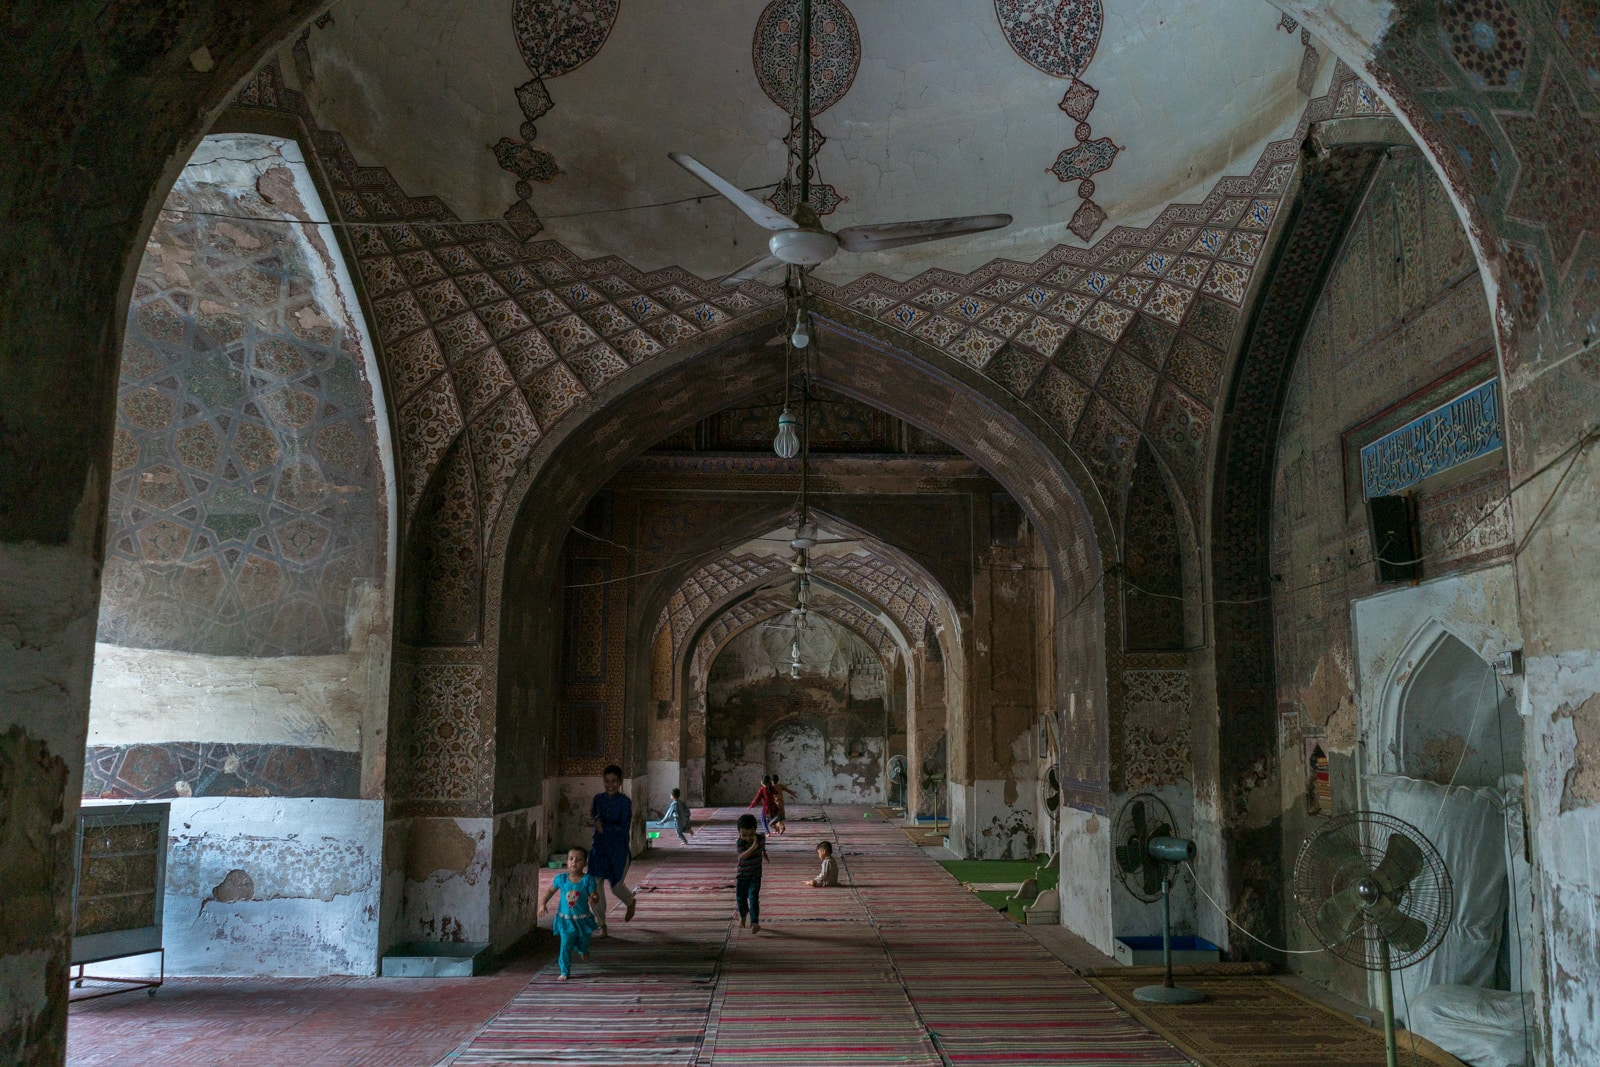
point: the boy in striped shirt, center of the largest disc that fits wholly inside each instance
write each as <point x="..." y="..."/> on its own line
<point x="752" y="848"/>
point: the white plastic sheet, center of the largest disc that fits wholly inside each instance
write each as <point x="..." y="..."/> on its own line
<point x="1468" y="829"/>
<point x="1480" y="1027"/>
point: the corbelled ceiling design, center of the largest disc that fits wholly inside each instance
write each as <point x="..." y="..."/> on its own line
<point x="752" y="582"/>
<point x="564" y="110"/>
<point x="496" y="326"/>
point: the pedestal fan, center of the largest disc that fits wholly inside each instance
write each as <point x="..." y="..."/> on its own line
<point x="1377" y="894"/>
<point x="1147" y="854"/>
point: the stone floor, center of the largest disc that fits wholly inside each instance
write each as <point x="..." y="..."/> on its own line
<point x="292" y="1022"/>
<point x="375" y="1022"/>
<point x="418" y="1023"/>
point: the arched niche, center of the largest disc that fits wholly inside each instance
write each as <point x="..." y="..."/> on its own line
<point x="1445" y="716"/>
<point x="243" y="644"/>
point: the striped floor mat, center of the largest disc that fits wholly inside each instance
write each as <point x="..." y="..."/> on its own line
<point x="898" y="966"/>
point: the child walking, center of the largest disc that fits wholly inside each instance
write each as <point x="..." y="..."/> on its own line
<point x="747" y="885"/>
<point x="678" y="815"/>
<point x="574" y="922"/>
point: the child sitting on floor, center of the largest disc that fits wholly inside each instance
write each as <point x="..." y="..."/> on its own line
<point x="829" y="875"/>
<point x="574" y="921"/>
<point x="747" y="885"/>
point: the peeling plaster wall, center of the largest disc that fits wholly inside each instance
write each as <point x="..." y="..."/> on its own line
<point x="1559" y="577"/>
<point x="926" y="748"/>
<point x="1086" y="879"/>
<point x="245" y="620"/>
<point x="994" y="781"/>
<point x="514" y="879"/>
<point x="1401" y="326"/>
<point x="269" y="886"/>
<point x="446" y="887"/>
<point x="826" y="734"/>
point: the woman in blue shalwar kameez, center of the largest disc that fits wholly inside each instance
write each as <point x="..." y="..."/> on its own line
<point x="613" y="843"/>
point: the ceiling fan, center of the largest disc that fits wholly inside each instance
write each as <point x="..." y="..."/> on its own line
<point x="799" y="239"/>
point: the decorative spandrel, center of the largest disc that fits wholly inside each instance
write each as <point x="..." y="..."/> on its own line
<point x="1452" y="433"/>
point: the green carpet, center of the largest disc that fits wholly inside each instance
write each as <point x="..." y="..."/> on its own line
<point x="1001" y="871"/>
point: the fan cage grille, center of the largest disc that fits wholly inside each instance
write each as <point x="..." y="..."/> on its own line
<point x="1428" y="897"/>
<point x="1124" y="833"/>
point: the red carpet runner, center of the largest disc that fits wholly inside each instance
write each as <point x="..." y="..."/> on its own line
<point x="900" y="966"/>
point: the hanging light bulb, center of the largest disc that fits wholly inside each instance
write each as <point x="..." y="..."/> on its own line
<point x="803" y="591"/>
<point x="802" y="332"/>
<point x="787" y="443"/>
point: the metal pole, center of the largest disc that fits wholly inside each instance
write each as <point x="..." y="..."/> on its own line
<point x="1166" y="925"/>
<point x="805" y="102"/>
<point x="1386" y="989"/>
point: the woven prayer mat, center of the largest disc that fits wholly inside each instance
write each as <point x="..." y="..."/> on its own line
<point x="1255" y="1021"/>
<point x="899" y="965"/>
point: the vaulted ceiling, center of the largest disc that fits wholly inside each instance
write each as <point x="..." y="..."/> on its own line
<point x="1073" y="115"/>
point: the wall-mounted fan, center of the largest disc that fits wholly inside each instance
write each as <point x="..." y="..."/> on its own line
<point x="1147" y="855"/>
<point x="799" y="239"/>
<point x="1376" y="893"/>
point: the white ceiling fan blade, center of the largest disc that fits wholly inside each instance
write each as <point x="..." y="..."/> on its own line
<point x="752" y="270"/>
<point x="764" y="214"/>
<point x="888" y="235"/>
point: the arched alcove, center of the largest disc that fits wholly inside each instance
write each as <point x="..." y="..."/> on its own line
<point x="1458" y="726"/>
<point x="242" y="663"/>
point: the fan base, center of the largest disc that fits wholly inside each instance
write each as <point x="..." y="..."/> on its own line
<point x="1160" y="994"/>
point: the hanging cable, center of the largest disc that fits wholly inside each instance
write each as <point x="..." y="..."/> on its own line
<point x="426" y="221"/>
<point x="1235" y="924"/>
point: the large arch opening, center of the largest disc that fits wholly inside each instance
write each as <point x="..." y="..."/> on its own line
<point x="241" y="674"/>
<point x="1033" y="521"/>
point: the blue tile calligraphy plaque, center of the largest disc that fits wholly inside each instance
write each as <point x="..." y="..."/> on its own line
<point x="1452" y="433"/>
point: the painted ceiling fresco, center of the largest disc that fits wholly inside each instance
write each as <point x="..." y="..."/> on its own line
<point x="556" y="117"/>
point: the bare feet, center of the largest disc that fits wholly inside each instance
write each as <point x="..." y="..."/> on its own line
<point x="627" y="916"/>
<point x="561" y="978"/>
<point x="600" y="931"/>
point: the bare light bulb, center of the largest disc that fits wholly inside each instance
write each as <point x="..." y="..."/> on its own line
<point x="787" y="443"/>
<point x="802" y="333"/>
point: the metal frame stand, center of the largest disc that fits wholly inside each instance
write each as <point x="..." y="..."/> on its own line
<point x="129" y="985"/>
<point x="1167" y="992"/>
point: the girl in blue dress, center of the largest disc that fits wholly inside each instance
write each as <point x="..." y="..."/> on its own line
<point x="574" y="922"/>
<point x="612" y="846"/>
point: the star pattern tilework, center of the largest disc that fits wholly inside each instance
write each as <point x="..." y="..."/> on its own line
<point x="246" y="488"/>
<point x="1025" y="325"/>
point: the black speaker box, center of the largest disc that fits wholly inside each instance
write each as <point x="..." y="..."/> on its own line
<point x="1395" y="544"/>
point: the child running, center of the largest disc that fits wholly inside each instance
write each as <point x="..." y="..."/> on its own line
<point x="780" y="823"/>
<point x="769" y="799"/>
<point x="678" y="815"/>
<point x="829" y="875"/>
<point x="747" y="885"/>
<point x="574" y="921"/>
<point x="612" y="846"/>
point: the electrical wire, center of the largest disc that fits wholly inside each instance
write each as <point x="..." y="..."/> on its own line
<point x="1195" y="877"/>
<point x="433" y="221"/>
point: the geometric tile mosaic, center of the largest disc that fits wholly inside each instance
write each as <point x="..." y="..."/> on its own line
<point x="1188" y="272"/>
<point x="246" y="486"/>
<point x="218" y="769"/>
